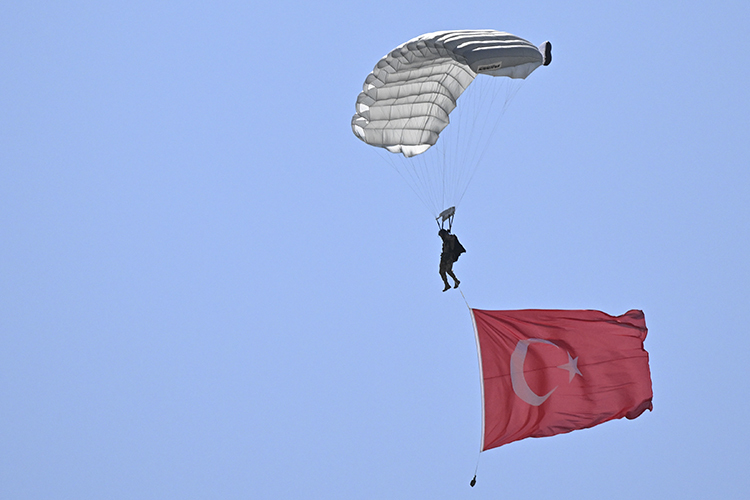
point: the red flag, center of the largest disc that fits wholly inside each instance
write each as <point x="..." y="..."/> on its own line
<point x="547" y="372"/>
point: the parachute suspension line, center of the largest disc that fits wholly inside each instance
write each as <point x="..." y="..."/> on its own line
<point x="447" y="164"/>
<point x="423" y="176"/>
<point x="427" y="178"/>
<point x="411" y="181"/>
<point x="475" y="131"/>
<point x="418" y="174"/>
<point x="512" y="87"/>
<point x="457" y="139"/>
<point x="460" y="142"/>
<point x="441" y="176"/>
<point x="482" y="101"/>
<point x="415" y="171"/>
<point x="442" y="154"/>
<point x="442" y="164"/>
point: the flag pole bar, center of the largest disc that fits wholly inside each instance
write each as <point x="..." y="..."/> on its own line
<point x="481" y="385"/>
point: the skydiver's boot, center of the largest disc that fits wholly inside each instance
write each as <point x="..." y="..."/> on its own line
<point x="455" y="280"/>
<point x="444" y="278"/>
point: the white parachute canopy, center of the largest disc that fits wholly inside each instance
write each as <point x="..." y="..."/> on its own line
<point x="406" y="100"/>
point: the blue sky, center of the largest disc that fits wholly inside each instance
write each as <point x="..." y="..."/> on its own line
<point x="210" y="288"/>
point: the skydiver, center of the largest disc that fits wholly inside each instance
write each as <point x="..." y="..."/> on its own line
<point x="452" y="250"/>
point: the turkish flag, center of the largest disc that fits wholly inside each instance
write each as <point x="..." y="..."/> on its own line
<point x="547" y="372"/>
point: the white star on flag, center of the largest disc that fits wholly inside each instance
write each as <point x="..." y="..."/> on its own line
<point x="572" y="367"/>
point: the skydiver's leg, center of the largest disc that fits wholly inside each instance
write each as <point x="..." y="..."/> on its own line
<point x="446" y="267"/>
<point x="450" y="273"/>
<point x="443" y="270"/>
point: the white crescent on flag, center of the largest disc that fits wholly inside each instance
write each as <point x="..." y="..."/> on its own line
<point x="520" y="387"/>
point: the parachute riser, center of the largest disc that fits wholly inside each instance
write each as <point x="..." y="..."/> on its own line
<point x="446" y="215"/>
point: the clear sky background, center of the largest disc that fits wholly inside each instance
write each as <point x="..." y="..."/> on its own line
<point x="210" y="288"/>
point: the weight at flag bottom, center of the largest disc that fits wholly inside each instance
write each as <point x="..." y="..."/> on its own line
<point x="547" y="372"/>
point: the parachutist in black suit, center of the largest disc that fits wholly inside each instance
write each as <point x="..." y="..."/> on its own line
<point x="452" y="250"/>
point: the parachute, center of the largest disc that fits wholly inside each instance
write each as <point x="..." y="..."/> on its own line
<point x="406" y="101"/>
